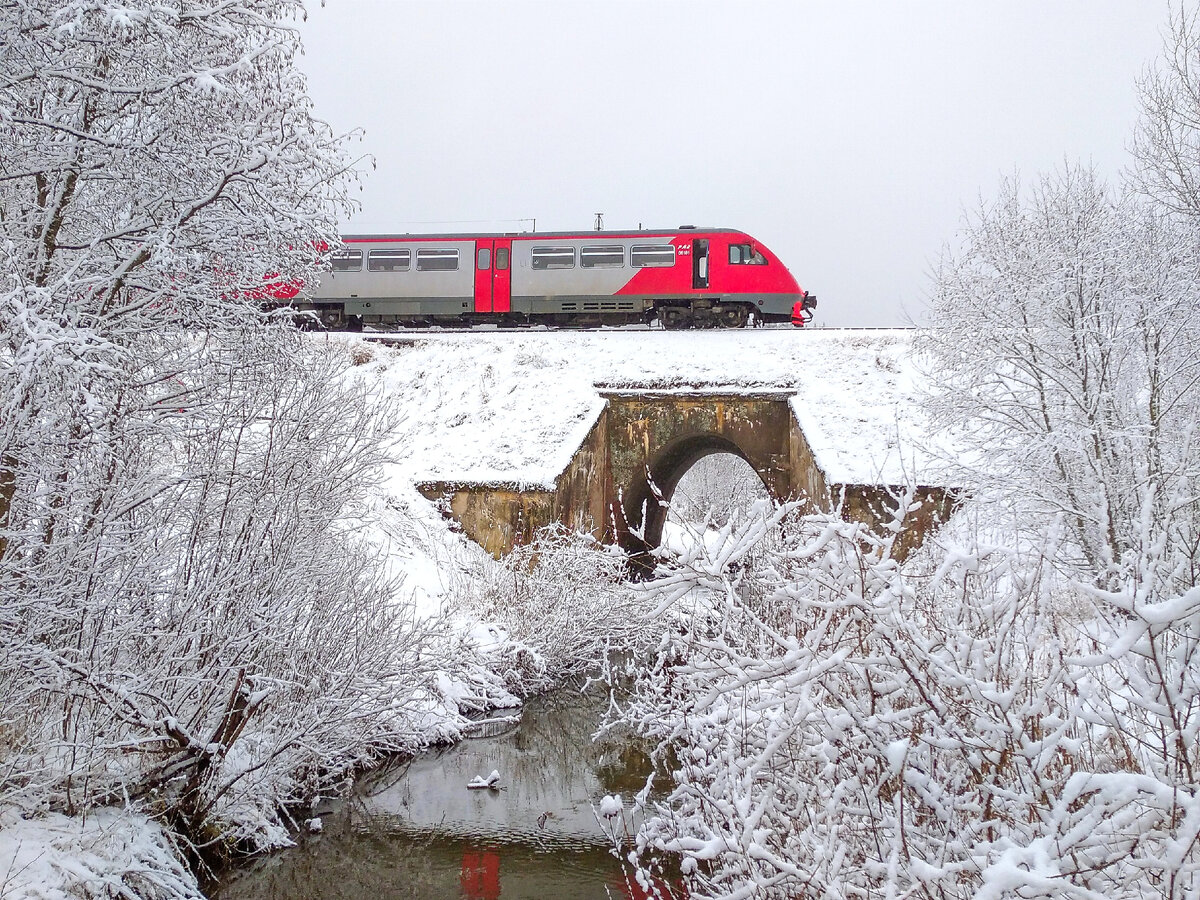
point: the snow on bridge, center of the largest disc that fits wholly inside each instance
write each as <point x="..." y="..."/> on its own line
<point x="508" y="426"/>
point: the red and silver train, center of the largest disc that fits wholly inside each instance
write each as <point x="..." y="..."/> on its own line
<point x="687" y="278"/>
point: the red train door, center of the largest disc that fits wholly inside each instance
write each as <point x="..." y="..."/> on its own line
<point x="502" y="276"/>
<point x="493" y="275"/>
<point x="483" y="275"/>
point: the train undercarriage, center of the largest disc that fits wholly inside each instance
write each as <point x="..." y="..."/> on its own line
<point x="669" y="315"/>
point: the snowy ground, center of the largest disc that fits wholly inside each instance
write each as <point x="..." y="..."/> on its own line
<point x="512" y="408"/>
<point x="110" y="853"/>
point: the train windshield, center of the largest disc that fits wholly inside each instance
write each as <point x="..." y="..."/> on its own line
<point x="745" y="255"/>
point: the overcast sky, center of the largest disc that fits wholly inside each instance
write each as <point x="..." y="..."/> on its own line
<point x="847" y="136"/>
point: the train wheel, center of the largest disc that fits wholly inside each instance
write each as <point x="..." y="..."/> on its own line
<point x="329" y="318"/>
<point x="675" y="318"/>
<point x="734" y="317"/>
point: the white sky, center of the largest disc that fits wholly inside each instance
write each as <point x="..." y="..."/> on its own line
<point x="847" y="136"/>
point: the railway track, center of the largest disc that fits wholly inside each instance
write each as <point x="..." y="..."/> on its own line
<point x="408" y="333"/>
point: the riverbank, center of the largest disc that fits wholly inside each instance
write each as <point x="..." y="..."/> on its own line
<point x="105" y="853"/>
<point x="118" y="851"/>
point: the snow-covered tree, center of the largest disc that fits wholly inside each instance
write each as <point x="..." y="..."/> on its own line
<point x="1014" y="712"/>
<point x="191" y="613"/>
<point x="1166" y="144"/>
<point x="159" y="160"/>
<point x="202" y="628"/>
<point x="1062" y="342"/>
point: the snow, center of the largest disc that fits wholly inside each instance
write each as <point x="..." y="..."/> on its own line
<point x="492" y="781"/>
<point x="896" y="752"/>
<point x="611" y="805"/>
<point x="108" y="853"/>
<point x="680" y="540"/>
<point x="512" y="409"/>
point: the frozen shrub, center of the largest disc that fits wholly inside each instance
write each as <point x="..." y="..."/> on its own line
<point x="563" y="597"/>
<point x="361" y="353"/>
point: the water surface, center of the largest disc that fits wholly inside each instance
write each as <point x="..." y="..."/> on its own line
<point x="416" y="830"/>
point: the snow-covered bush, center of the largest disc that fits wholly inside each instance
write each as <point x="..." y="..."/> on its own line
<point x="1014" y="712"/>
<point x="190" y="617"/>
<point x="973" y="726"/>
<point x="741" y="698"/>
<point x="564" y="603"/>
<point x="110" y="853"/>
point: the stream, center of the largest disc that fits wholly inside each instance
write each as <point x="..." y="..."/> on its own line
<point x="415" y="830"/>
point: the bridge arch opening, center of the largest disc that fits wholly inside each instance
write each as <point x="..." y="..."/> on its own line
<point x="686" y="462"/>
<point x="716" y="489"/>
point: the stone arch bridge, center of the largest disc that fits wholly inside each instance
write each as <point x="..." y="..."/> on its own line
<point x="652" y="436"/>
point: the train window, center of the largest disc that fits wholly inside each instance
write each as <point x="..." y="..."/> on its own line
<point x="650" y="255"/>
<point x="347" y="261"/>
<point x="554" y="257"/>
<point x="483" y="258"/>
<point x="439" y="260"/>
<point x="501" y="258"/>
<point x="745" y="255"/>
<point x="602" y="257"/>
<point x="389" y="260"/>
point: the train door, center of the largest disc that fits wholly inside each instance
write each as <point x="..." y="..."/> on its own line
<point x="483" y="275"/>
<point x="493" y="275"/>
<point x="700" y="264"/>
<point x="502" y="275"/>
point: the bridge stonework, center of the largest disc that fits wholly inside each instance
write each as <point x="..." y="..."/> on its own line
<point x="643" y="443"/>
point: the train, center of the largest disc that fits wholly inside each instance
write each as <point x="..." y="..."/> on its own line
<point x="689" y="277"/>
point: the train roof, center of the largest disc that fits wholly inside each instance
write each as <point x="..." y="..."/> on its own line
<point x="585" y="235"/>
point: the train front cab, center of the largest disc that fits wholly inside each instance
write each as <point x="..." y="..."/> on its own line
<point x="744" y="270"/>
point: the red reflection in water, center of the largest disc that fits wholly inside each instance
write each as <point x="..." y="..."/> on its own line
<point x="480" y="876"/>
<point x="480" y="880"/>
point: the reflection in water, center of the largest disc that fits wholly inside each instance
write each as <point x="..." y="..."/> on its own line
<point x="417" y="831"/>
